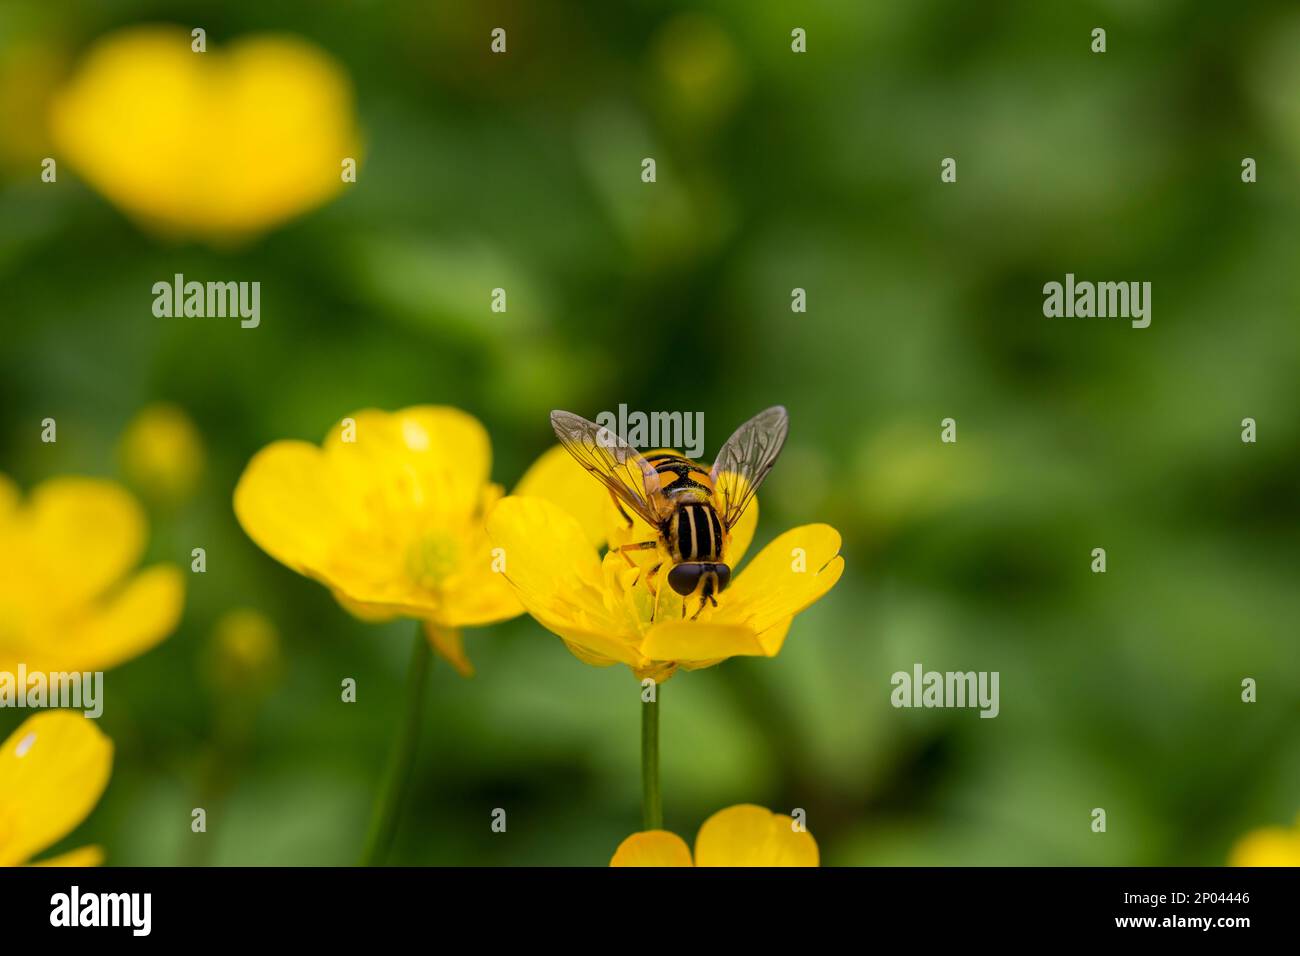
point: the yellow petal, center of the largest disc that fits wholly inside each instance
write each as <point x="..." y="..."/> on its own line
<point x="652" y="848"/>
<point x="747" y="835"/>
<point x="371" y="613"/>
<point x="82" y="536"/>
<point x="559" y="479"/>
<point x="82" y="856"/>
<point x="556" y="573"/>
<point x="433" y="459"/>
<point x="774" y="637"/>
<point x="742" y="535"/>
<point x="1270" y="846"/>
<point x="302" y="512"/>
<point x="144" y="613"/>
<point x="588" y="656"/>
<point x="688" y="641"/>
<point x="770" y="641"/>
<point x="450" y="644"/>
<point x="222" y="143"/>
<point x="476" y="594"/>
<point x="53" y="769"/>
<point x="149" y="80"/>
<point x="784" y="578"/>
<point x="285" y="504"/>
<point x="289" y="110"/>
<point x="597" y="648"/>
<point x="9" y="497"/>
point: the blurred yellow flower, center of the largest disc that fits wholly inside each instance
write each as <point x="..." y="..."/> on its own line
<point x="68" y="600"/>
<point x="388" y="515"/>
<point x="245" y="650"/>
<point x="743" y="835"/>
<point x="162" y="453"/>
<point x="30" y="71"/>
<point x="53" y="769"/>
<point x="550" y="532"/>
<point x="699" y="68"/>
<point x="1268" y="846"/>
<point x="220" y="144"/>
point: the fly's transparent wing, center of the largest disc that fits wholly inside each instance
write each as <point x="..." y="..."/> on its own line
<point x="745" y="460"/>
<point x="617" y="465"/>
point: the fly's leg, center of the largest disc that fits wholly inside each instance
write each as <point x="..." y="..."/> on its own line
<point x="705" y="600"/>
<point x="706" y="597"/>
<point x="619" y="505"/>
<point x="650" y="580"/>
<point x="639" y="546"/>
<point x="654" y="591"/>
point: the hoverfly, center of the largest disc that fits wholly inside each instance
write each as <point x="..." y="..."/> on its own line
<point x="692" y="508"/>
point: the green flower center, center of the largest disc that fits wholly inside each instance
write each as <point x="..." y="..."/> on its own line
<point x="434" y="557"/>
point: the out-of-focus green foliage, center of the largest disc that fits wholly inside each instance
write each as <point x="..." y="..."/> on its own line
<point x="775" y="171"/>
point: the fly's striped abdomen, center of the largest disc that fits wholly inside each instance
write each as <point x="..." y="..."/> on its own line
<point x="694" y="533"/>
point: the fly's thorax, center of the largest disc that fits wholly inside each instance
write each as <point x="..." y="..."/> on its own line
<point x="694" y="532"/>
<point x="679" y="477"/>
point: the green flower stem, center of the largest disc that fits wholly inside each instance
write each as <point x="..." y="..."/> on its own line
<point x="652" y="805"/>
<point x="388" y="803"/>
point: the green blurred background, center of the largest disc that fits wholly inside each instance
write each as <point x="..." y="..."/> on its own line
<point x="775" y="171"/>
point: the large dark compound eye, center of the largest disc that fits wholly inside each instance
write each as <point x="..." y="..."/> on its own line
<point x="685" y="578"/>
<point x="724" y="575"/>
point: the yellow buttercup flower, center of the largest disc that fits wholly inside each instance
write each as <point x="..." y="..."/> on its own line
<point x="607" y="612"/>
<point x="1268" y="846"/>
<point x="68" y="601"/>
<point x="162" y="453"/>
<point x="53" y="769"/>
<point x="743" y="835"/>
<point x="388" y="515"/>
<point x="245" y="651"/>
<point x="219" y="144"/>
